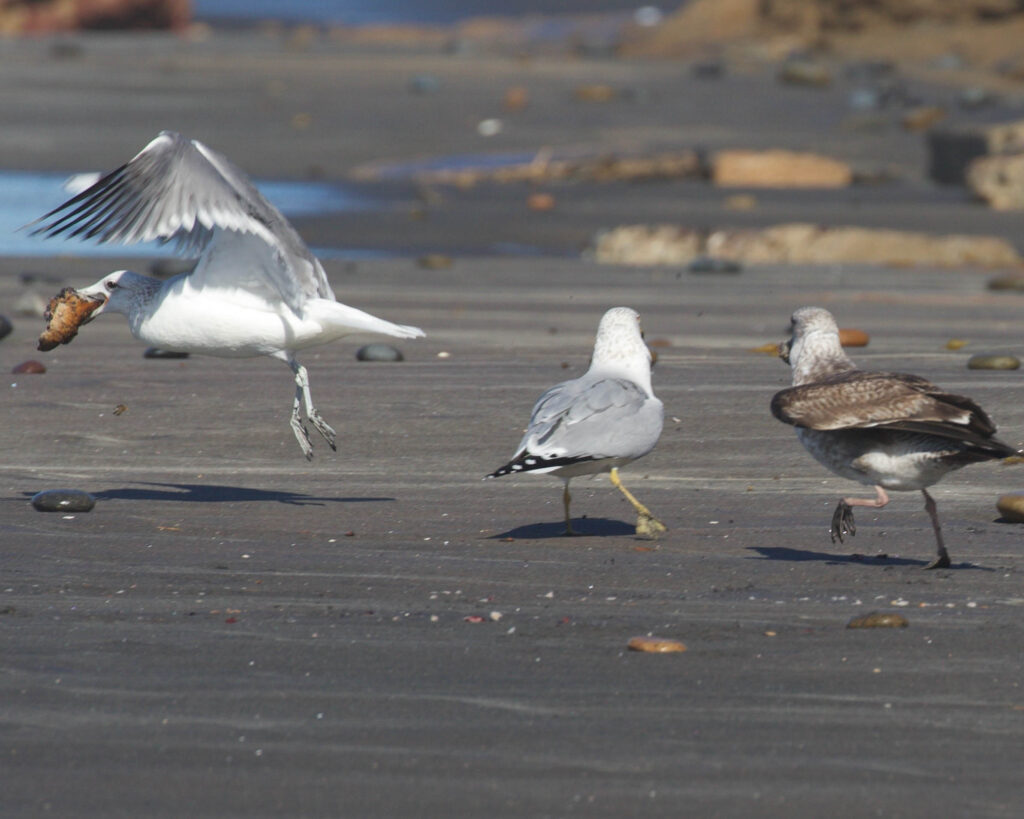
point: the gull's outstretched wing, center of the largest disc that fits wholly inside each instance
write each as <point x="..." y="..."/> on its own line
<point x="176" y="189"/>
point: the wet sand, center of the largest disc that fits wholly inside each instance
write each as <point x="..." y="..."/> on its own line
<point x="235" y="632"/>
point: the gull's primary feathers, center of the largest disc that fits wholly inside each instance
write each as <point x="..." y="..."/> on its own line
<point x="256" y="289"/>
<point x="889" y="430"/>
<point x="600" y="421"/>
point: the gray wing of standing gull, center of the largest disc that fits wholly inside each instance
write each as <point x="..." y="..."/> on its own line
<point x="179" y="190"/>
<point x="593" y="417"/>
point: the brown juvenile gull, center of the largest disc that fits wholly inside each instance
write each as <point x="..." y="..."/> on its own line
<point x="888" y="430"/>
<point x="600" y="421"/>
<point x="256" y="289"/>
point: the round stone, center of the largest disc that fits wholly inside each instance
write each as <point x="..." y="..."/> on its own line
<point x="1011" y="507"/>
<point x="1010" y="282"/>
<point x="63" y="500"/>
<point x="993" y="362"/>
<point x="31" y="367"/>
<point x="879" y="619"/>
<point x="655" y="645"/>
<point x="156" y="352"/>
<point x="5" y="326"/>
<point x="379" y="352"/>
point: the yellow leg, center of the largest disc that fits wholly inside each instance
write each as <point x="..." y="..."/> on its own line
<point x="646" y="524"/>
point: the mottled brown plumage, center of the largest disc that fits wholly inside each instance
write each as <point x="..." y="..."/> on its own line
<point x="889" y="430"/>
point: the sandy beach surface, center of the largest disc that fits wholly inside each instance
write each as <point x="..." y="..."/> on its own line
<point x="233" y="631"/>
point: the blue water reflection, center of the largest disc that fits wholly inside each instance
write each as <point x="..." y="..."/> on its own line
<point x="27" y="195"/>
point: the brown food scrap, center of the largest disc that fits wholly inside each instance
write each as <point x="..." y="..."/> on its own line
<point x="656" y="645"/>
<point x="120" y="409"/>
<point x="850" y="337"/>
<point x="65" y="313"/>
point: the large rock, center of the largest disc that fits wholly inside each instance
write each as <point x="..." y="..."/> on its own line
<point x="952" y="150"/>
<point x="999" y="180"/>
<point x="778" y="169"/>
<point x="41" y="16"/>
<point x="801" y="244"/>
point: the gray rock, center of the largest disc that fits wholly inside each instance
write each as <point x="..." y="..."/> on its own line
<point x="63" y="500"/>
<point x="379" y="352"/>
<point x="5" y="326"/>
<point x="30" y="304"/>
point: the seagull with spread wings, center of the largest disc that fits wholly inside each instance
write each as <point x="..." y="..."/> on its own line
<point x="256" y="289"/>
<point x="888" y="430"/>
<point x="600" y="421"/>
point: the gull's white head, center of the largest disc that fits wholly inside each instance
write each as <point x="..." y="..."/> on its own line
<point x="620" y="344"/>
<point x="120" y="291"/>
<point x="813" y="351"/>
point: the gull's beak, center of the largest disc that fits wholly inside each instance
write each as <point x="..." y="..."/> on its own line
<point x="783" y="349"/>
<point x="97" y="297"/>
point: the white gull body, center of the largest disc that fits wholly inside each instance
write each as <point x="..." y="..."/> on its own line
<point x="600" y="421"/>
<point x="892" y="431"/>
<point x="256" y="289"/>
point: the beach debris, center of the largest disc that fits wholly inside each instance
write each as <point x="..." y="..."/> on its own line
<point x="5" y="326"/>
<point x="379" y="352"/>
<point x="956" y="343"/>
<point x="655" y="645"/>
<point x="516" y="98"/>
<point x="120" y="409"/>
<point x="63" y="500"/>
<point x="982" y="361"/>
<point x="800" y="243"/>
<point x="778" y="169"/>
<point x="65" y="313"/>
<point x="30" y="367"/>
<point x="879" y="619"/>
<point x="1011" y="507"/>
<point x="490" y="127"/>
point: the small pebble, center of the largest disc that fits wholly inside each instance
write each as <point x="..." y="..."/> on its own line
<point x="1009" y="282"/>
<point x="707" y="70"/>
<point x="805" y="71"/>
<point x="516" y="98"/>
<point x="434" y="261"/>
<point x="993" y="362"/>
<point x="156" y="352"/>
<point x="851" y="337"/>
<point x="490" y="127"/>
<point x="923" y="117"/>
<point x="63" y="500"/>
<point x="740" y="201"/>
<point x="713" y="265"/>
<point x="424" y="84"/>
<point x="956" y="343"/>
<point x="120" y="409"/>
<point x="879" y="619"/>
<point x="29" y="367"/>
<point x="30" y="304"/>
<point x="595" y="93"/>
<point x="379" y="352"/>
<point x="540" y="201"/>
<point x="1011" y="507"/>
<point x="5" y="326"/>
<point x="655" y="645"/>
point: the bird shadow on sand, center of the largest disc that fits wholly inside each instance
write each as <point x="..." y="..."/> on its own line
<point x="216" y="493"/>
<point x="583" y="527"/>
<point x="802" y="555"/>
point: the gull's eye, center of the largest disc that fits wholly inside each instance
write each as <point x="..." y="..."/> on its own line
<point x="111" y="285"/>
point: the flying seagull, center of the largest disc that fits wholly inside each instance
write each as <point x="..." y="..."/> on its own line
<point x="600" y="421"/>
<point x="256" y="289"/>
<point x="889" y="430"/>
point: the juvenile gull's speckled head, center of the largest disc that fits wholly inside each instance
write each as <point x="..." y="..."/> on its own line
<point x="814" y="351"/>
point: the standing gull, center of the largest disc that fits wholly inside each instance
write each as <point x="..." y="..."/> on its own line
<point x="600" y="421"/>
<point x="887" y="430"/>
<point x="256" y="289"/>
